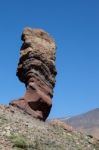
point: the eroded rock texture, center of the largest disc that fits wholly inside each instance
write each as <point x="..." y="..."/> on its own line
<point x="37" y="70"/>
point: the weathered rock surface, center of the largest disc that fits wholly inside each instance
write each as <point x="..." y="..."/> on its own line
<point x="37" y="70"/>
<point x="20" y="131"/>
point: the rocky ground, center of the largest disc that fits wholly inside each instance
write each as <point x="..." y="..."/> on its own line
<point x="20" y="131"/>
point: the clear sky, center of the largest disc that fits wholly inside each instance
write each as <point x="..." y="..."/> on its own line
<point x="74" y="24"/>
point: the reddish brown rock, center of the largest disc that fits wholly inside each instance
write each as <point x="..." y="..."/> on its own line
<point x="37" y="70"/>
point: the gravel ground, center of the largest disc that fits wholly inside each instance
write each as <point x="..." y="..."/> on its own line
<point x="20" y="131"/>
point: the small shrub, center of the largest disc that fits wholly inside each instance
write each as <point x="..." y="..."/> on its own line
<point x="20" y="142"/>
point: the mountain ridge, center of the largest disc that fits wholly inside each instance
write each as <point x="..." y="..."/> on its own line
<point x="86" y="122"/>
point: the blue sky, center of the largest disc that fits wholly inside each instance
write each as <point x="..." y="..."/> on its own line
<point x="74" y="24"/>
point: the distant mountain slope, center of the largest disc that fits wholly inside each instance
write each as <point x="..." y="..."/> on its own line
<point x="88" y="122"/>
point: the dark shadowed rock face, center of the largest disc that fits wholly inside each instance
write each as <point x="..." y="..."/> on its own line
<point x="36" y="68"/>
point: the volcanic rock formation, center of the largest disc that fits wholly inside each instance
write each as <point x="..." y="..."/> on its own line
<point x="36" y="68"/>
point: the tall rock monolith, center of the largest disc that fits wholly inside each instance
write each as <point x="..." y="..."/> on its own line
<point x="36" y="69"/>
